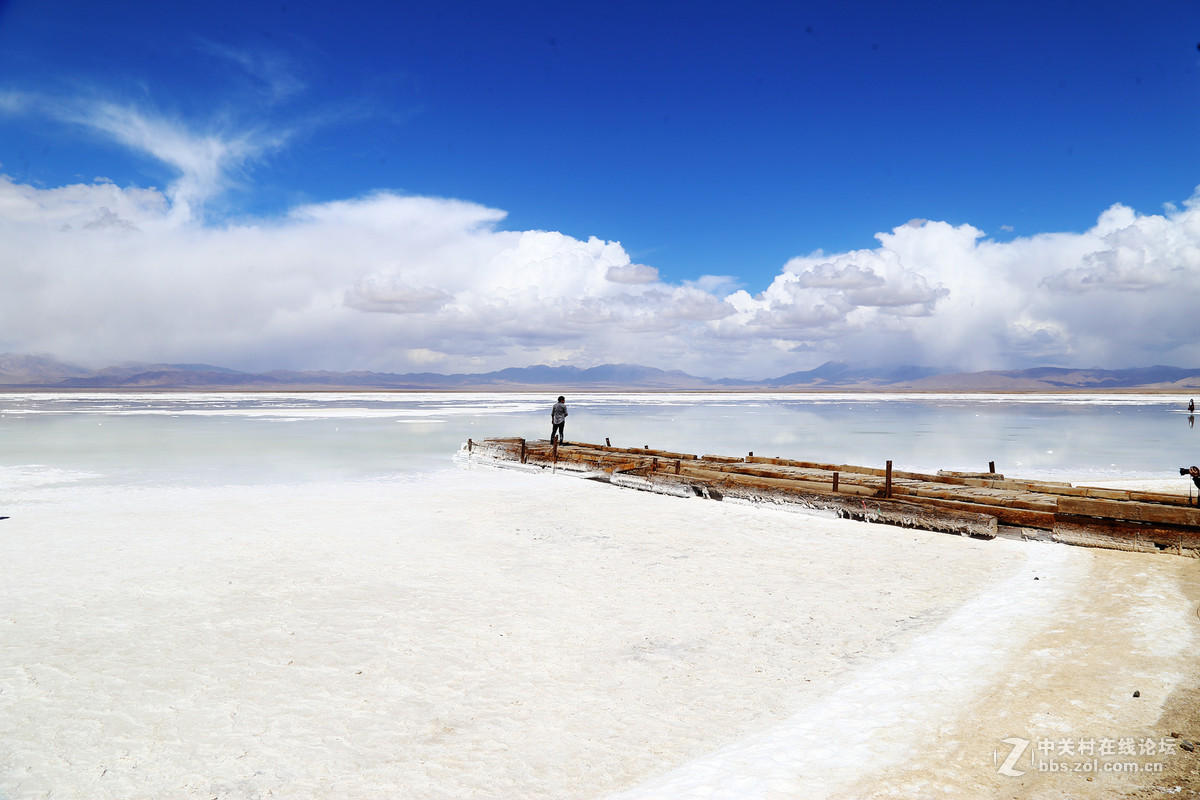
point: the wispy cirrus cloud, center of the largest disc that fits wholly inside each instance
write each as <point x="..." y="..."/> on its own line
<point x="273" y="75"/>
<point x="205" y="162"/>
<point x="207" y="157"/>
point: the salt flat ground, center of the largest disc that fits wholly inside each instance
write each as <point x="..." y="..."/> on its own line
<point x="488" y="634"/>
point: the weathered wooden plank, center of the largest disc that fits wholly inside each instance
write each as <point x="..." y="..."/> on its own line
<point x="787" y="473"/>
<point x="787" y="462"/>
<point x="1105" y="494"/>
<point x="723" y="478"/>
<point x="1017" y="517"/>
<point x="993" y="482"/>
<point x="894" y="512"/>
<point x="1124" y="535"/>
<point x="1160" y="498"/>
<point x="1025" y="501"/>
<point x="990" y="476"/>
<point x="1129" y="510"/>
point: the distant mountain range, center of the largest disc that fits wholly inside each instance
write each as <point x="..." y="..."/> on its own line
<point x="47" y="373"/>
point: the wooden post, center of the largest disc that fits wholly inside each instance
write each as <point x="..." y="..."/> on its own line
<point x="751" y="454"/>
<point x="887" y="483"/>
<point x="677" y="466"/>
<point x="470" y="445"/>
<point x="522" y="451"/>
<point x="554" y="451"/>
<point x="835" y="481"/>
<point x="607" y="443"/>
<point x="992" y="467"/>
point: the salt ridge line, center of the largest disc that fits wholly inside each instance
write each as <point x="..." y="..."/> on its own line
<point x="888" y="711"/>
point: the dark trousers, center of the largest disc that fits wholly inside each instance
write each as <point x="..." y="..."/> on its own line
<point x="556" y="427"/>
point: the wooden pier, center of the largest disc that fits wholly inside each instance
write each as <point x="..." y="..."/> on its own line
<point x="984" y="504"/>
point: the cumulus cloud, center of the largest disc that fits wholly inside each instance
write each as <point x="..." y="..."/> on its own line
<point x="632" y="273"/>
<point x="934" y="294"/>
<point x="101" y="273"/>
<point x="389" y="295"/>
<point x="97" y="272"/>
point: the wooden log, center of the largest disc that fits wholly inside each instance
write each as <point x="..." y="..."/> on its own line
<point x="1132" y="511"/>
<point x="894" y="512"/>
<point x="1105" y="494"/>
<point x="606" y="448"/>
<point x="754" y="469"/>
<point x="788" y="462"/>
<point x="1123" y="535"/>
<point x="998" y="482"/>
<point x="986" y="476"/>
<point x="1032" y="502"/>
<point x="1016" y="517"/>
<point x="867" y="485"/>
<point x="722" y="478"/>
<point x="1160" y="498"/>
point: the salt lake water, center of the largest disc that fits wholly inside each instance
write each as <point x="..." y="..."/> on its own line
<point x="223" y="438"/>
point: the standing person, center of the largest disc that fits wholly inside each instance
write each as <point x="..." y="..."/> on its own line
<point x="558" y="418"/>
<point x="1191" y="406"/>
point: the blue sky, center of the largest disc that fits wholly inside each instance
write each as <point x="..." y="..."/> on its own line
<point x="731" y="189"/>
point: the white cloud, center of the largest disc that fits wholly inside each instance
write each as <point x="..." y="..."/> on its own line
<point x="632" y="273"/>
<point x="100" y="273"/>
<point x="204" y="161"/>
<point x="389" y="295"/>
<point x="1119" y="294"/>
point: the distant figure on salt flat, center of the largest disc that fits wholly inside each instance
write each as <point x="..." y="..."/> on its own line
<point x="558" y="418"/>
<point x="1192" y="406"/>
